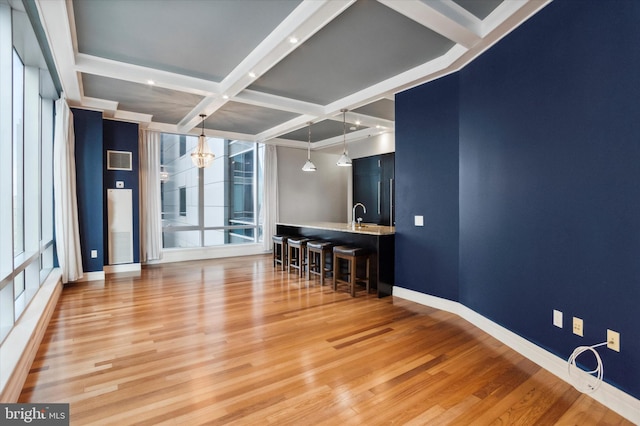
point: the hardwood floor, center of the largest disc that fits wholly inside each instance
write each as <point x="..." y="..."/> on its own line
<point x="233" y="341"/>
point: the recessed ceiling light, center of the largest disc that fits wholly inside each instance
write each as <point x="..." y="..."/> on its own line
<point x="225" y="96"/>
<point x="252" y="74"/>
<point x="151" y="82"/>
<point x="293" y="39"/>
<point x="357" y="122"/>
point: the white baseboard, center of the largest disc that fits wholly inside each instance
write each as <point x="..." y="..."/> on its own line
<point x="608" y="395"/>
<point x="202" y="253"/>
<point x="91" y="276"/>
<point x="127" y="267"/>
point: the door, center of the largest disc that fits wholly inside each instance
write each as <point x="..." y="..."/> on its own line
<point x="373" y="186"/>
<point x="366" y="178"/>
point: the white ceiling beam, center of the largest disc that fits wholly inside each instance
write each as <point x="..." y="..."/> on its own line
<point x="142" y="75"/>
<point x="135" y="117"/>
<point x="366" y="120"/>
<point x="207" y="106"/>
<point x="98" y="104"/>
<point x="506" y="11"/>
<point x="442" y="16"/>
<point x="349" y="137"/>
<point x="55" y="22"/>
<point x="286" y="127"/>
<point x="266" y="100"/>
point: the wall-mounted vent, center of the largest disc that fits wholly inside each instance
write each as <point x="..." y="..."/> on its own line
<point x="118" y="160"/>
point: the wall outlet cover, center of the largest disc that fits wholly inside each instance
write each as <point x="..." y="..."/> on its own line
<point x="613" y="340"/>
<point x="418" y="220"/>
<point x="557" y="318"/>
<point x="578" y="326"/>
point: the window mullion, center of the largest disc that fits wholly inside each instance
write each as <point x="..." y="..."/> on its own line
<point x="201" y="205"/>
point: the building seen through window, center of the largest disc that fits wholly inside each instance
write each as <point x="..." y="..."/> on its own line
<point x="213" y="206"/>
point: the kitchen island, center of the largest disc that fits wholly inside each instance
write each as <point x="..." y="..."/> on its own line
<point x="376" y="238"/>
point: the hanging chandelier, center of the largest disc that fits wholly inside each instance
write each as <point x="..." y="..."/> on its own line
<point x="309" y="166"/>
<point x="202" y="156"/>
<point x="344" y="160"/>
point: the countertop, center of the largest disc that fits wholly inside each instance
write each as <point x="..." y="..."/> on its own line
<point x="366" y="228"/>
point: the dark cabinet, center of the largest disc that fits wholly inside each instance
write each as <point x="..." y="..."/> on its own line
<point x="373" y="186"/>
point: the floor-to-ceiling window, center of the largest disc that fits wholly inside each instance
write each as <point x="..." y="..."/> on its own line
<point x="212" y="206"/>
<point x="26" y="150"/>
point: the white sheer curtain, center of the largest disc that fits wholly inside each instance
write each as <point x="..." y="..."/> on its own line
<point x="150" y="205"/>
<point x="270" y="203"/>
<point x="64" y="192"/>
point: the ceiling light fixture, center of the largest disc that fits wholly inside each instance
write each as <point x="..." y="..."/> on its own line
<point x="164" y="174"/>
<point x="344" y="160"/>
<point x="293" y="39"/>
<point x="202" y="156"/>
<point x="252" y="74"/>
<point x="309" y="166"/>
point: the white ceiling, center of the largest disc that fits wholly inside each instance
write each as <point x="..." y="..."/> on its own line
<point x="234" y="61"/>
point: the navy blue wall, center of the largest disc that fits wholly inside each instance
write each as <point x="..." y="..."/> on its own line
<point x="89" y="184"/>
<point x="549" y="180"/>
<point x="427" y="124"/>
<point x="122" y="136"/>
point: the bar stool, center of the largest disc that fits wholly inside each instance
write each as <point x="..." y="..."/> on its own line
<point x="297" y="254"/>
<point x="279" y="250"/>
<point x="317" y="252"/>
<point x="352" y="255"/>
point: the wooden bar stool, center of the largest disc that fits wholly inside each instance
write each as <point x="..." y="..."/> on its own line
<point x="352" y="255"/>
<point x="317" y="252"/>
<point x="297" y="254"/>
<point x="279" y="250"/>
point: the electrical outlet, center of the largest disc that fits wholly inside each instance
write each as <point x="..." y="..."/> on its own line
<point x="578" y="326"/>
<point x="613" y="340"/>
<point x="557" y="318"/>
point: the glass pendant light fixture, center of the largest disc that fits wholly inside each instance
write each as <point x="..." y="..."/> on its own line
<point x="344" y="160"/>
<point x="164" y="174"/>
<point x="309" y="166"/>
<point x="202" y="156"/>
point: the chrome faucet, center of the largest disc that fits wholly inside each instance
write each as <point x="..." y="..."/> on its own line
<point x="353" y="214"/>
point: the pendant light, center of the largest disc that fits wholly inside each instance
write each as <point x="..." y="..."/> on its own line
<point x="309" y="166"/>
<point x="344" y="160"/>
<point x="202" y="156"/>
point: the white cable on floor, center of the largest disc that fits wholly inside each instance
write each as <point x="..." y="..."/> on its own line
<point x="583" y="380"/>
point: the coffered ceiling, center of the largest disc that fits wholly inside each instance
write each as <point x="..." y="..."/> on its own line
<point x="262" y="69"/>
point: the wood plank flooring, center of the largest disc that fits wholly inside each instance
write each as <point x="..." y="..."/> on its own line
<point x="233" y="341"/>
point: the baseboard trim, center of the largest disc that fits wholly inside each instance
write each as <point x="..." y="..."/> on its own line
<point x="608" y="395"/>
<point x="203" y="253"/>
<point x="19" y="349"/>
<point x="91" y="276"/>
<point x="127" y="267"/>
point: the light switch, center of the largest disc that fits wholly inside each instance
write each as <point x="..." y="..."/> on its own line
<point x="94" y="254"/>
<point x="119" y="184"/>
<point x="419" y="220"/>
